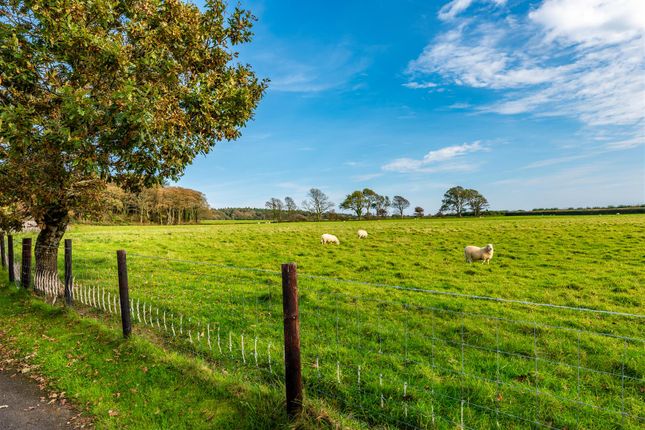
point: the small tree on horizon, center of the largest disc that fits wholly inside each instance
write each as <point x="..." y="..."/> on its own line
<point x="381" y="205"/>
<point x="400" y="204"/>
<point x="370" y="199"/>
<point x="275" y="206"/>
<point x="317" y="203"/>
<point x="476" y="202"/>
<point x="355" y="202"/>
<point x="419" y="212"/>
<point x="454" y="200"/>
<point x="290" y="206"/>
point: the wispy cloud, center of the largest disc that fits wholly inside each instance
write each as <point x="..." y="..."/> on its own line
<point x="419" y="85"/>
<point x="306" y="66"/>
<point x="453" y="8"/>
<point x="440" y="160"/>
<point x="576" y="58"/>
<point x="460" y="106"/>
<point x="367" y="177"/>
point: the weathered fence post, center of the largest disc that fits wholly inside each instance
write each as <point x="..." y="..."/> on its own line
<point x="12" y="275"/>
<point x="2" y="253"/>
<point x="25" y="272"/>
<point x="68" y="272"/>
<point x="292" y="365"/>
<point x="124" y="297"/>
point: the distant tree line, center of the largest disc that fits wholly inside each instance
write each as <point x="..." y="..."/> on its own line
<point x="157" y="205"/>
<point x="367" y="203"/>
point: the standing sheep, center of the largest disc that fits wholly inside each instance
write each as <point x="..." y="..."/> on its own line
<point x="329" y="238"/>
<point x="474" y="253"/>
<point x="362" y="234"/>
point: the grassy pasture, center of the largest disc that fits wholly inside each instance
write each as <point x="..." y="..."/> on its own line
<point x="405" y="358"/>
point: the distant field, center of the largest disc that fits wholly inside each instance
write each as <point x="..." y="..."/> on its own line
<point x="405" y="358"/>
<point x="592" y="261"/>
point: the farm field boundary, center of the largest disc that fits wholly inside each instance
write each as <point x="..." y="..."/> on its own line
<point x="387" y="354"/>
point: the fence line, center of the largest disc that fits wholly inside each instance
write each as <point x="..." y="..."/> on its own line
<point x="391" y="362"/>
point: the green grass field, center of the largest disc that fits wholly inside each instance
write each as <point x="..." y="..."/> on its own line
<point x="392" y="357"/>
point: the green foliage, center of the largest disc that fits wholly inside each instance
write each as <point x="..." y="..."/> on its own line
<point x="454" y="200"/>
<point x="356" y="202"/>
<point x="114" y="91"/>
<point x="160" y="205"/>
<point x="457" y="198"/>
<point x="400" y="204"/>
<point x="361" y="202"/>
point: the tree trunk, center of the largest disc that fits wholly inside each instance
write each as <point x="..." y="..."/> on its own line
<point x="55" y="224"/>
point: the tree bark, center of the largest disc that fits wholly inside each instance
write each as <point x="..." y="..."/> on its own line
<point x="55" y="223"/>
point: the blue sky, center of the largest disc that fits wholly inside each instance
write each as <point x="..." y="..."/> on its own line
<point x="533" y="103"/>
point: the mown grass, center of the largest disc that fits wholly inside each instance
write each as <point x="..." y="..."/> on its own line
<point x="401" y="358"/>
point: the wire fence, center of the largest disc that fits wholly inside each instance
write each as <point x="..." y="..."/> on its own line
<point x="387" y="355"/>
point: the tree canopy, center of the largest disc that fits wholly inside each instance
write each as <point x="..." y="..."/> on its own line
<point x="113" y="91"/>
<point x="317" y="203"/>
<point x="356" y="202"/>
<point x="456" y="199"/>
<point x="400" y="204"/>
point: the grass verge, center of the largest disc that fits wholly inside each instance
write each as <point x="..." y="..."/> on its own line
<point x="134" y="383"/>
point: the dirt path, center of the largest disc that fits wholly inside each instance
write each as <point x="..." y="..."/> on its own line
<point x="24" y="407"/>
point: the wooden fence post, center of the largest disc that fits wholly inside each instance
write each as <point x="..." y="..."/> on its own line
<point x="292" y="365"/>
<point x="124" y="297"/>
<point x="2" y="253"/>
<point x="25" y="273"/>
<point x="68" y="272"/>
<point x="12" y="275"/>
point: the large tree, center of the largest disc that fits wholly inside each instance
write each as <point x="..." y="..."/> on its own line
<point x="127" y="92"/>
<point x="355" y="202"/>
<point x="454" y="200"/>
<point x="400" y="204"/>
<point x="317" y="203"/>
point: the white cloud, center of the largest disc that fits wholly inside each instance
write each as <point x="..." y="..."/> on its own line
<point x="453" y="8"/>
<point x="439" y="160"/>
<point x="575" y="58"/>
<point x="460" y="106"/>
<point x="305" y="66"/>
<point x="419" y="85"/>
<point x="591" y="22"/>
<point x="479" y="62"/>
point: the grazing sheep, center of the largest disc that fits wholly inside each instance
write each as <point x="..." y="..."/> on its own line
<point x="362" y="234"/>
<point x="329" y="238"/>
<point x="474" y="253"/>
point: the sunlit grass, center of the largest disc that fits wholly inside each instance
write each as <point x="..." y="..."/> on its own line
<point x="421" y="357"/>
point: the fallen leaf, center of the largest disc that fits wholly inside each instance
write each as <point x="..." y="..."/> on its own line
<point x="113" y="413"/>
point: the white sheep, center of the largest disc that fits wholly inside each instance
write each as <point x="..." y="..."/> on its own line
<point x="362" y="234"/>
<point x="329" y="238"/>
<point x="474" y="253"/>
